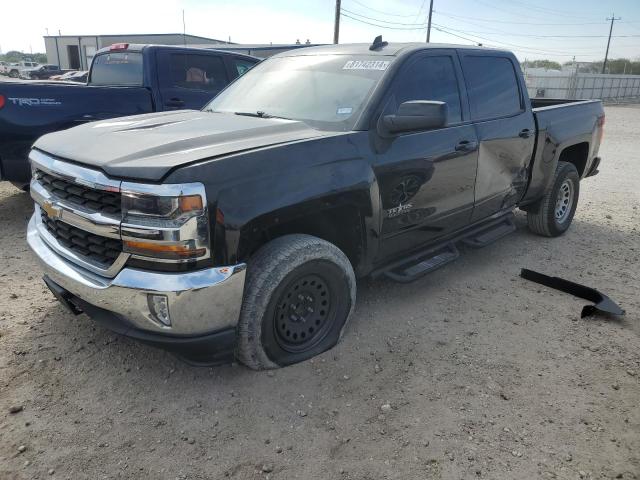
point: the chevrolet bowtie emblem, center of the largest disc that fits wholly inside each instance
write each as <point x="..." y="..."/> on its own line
<point x="52" y="210"/>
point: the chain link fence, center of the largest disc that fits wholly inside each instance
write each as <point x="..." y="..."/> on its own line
<point x="612" y="88"/>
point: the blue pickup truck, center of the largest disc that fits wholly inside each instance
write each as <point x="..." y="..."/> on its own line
<point x="124" y="79"/>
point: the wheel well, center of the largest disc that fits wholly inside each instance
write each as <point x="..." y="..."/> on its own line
<point x="577" y="154"/>
<point x="341" y="226"/>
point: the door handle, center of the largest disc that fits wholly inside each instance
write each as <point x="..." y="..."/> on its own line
<point x="526" y="133"/>
<point x="466" y="146"/>
<point x="174" y="102"/>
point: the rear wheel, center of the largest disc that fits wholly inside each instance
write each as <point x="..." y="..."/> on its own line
<point x="299" y="294"/>
<point x="552" y="215"/>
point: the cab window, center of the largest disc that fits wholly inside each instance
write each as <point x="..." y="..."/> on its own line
<point x="492" y="87"/>
<point x="197" y="72"/>
<point x="430" y="78"/>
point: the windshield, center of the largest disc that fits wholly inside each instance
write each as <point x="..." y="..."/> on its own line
<point x="117" y="68"/>
<point x="325" y="91"/>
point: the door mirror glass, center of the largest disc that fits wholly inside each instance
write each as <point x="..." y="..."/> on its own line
<point x="415" y="116"/>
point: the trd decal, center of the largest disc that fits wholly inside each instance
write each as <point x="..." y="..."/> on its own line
<point x="34" y="102"/>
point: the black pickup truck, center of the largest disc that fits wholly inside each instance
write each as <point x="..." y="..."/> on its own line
<point x="124" y="79"/>
<point x="243" y="227"/>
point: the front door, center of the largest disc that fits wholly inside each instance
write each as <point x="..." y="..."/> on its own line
<point x="426" y="179"/>
<point x="189" y="80"/>
<point x="505" y="129"/>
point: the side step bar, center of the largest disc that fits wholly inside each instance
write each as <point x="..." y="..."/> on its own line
<point x="490" y="233"/>
<point x="415" y="266"/>
<point x="412" y="268"/>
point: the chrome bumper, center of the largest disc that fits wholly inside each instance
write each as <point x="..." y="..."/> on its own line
<point x="200" y="302"/>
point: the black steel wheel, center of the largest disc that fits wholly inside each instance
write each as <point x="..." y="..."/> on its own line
<point x="299" y="294"/>
<point x="304" y="313"/>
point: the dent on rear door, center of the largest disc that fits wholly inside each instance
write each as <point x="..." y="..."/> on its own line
<point x="503" y="164"/>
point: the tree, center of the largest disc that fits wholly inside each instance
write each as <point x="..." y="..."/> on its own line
<point x="548" y="64"/>
<point x="13" y="56"/>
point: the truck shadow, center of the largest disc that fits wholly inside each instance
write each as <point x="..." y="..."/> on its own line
<point x="15" y="207"/>
<point x="379" y="297"/>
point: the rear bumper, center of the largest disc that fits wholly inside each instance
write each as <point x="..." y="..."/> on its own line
<point x="204" y="305"/>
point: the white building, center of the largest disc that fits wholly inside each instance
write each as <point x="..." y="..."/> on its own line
<point x="76" y="51"/>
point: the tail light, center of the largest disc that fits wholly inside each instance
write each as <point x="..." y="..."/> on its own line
<point x="119" y="46"/>
<point x="2" y="101"/>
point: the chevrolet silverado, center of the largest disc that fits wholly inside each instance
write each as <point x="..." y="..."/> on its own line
<point x="240" y="229"/>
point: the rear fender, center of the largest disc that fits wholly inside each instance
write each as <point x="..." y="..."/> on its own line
<point x="553" y="139"/>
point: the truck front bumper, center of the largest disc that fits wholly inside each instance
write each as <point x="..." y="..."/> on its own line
<point x="203" y="306"/>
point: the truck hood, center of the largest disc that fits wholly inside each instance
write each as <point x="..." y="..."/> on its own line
<point x="147" y="147"/>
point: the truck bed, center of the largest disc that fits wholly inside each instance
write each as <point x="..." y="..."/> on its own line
<point x="537" y="103"/>
<point x="35" y="108"/>
<point x="562" y="123"/>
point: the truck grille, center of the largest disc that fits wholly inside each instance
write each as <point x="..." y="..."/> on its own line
<point x="89" y="198"/>
<point x="101" y="250"/>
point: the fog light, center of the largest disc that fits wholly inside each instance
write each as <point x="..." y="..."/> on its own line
<point x="159" y="307"/>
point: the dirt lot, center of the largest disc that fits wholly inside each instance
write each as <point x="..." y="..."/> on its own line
<point x="468" y="373"/>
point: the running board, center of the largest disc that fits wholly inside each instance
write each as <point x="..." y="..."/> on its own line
<point x="412" y="268"/>
<point x="490" y="233"/>
<point x="415" y="266"/>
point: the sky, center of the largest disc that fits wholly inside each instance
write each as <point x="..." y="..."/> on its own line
<point x="533" y="29"/>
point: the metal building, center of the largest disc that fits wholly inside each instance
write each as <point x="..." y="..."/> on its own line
<point x="76" y="51"/>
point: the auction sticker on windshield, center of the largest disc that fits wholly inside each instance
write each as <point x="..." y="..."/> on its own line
<point x="366" y="65"/>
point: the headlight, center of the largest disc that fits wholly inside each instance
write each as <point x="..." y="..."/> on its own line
<point x="165" y="222"/>
<point x="135" y="205"/>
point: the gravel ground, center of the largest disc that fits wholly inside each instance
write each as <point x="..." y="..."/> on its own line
<point x="468" y="373"/>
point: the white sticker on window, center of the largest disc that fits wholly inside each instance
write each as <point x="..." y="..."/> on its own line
<point x="344" y="111"/>
<point x="366" y="65"/>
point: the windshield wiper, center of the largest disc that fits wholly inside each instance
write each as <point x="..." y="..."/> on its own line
<point x="260" y="114"/>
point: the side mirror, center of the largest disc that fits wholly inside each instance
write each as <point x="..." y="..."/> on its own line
<point x="415" y="116"/>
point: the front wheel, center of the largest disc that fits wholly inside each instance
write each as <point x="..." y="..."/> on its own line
<point x="552" y="215"/>
<point x="299" y="293"/>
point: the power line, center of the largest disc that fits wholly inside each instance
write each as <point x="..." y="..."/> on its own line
<point x="519" y="47"/>
<point x="490" y="33"/>
<point x="511" y="12"/>
<point x="382" y="26"/>
<point x="547" y="9"/>
<point x="380" y="11"/>
<point x="550" y="36"/>
<point x="475" y="42"/>
<point x="491" y="20"/>
<point x="380" y="20"/>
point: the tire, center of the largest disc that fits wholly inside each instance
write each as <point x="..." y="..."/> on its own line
<point x="14" y="74"/>
<point x="273" y="331"/>
<point x="552" y="215"/>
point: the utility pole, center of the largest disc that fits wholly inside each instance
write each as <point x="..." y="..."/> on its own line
<point x="606" y="55"/>
<point x="336" y="24"/>
<point x="429" y="22"/>
<point x="184" y="30"/>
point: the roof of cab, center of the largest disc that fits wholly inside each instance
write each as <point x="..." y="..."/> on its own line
<point x="139" y="47"/>
<point x="390" y="49"/>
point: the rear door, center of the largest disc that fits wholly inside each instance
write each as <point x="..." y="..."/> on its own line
<point x="189" y="80"/>
<point x="426" y="179"/>
<point x="504" y="126"/>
